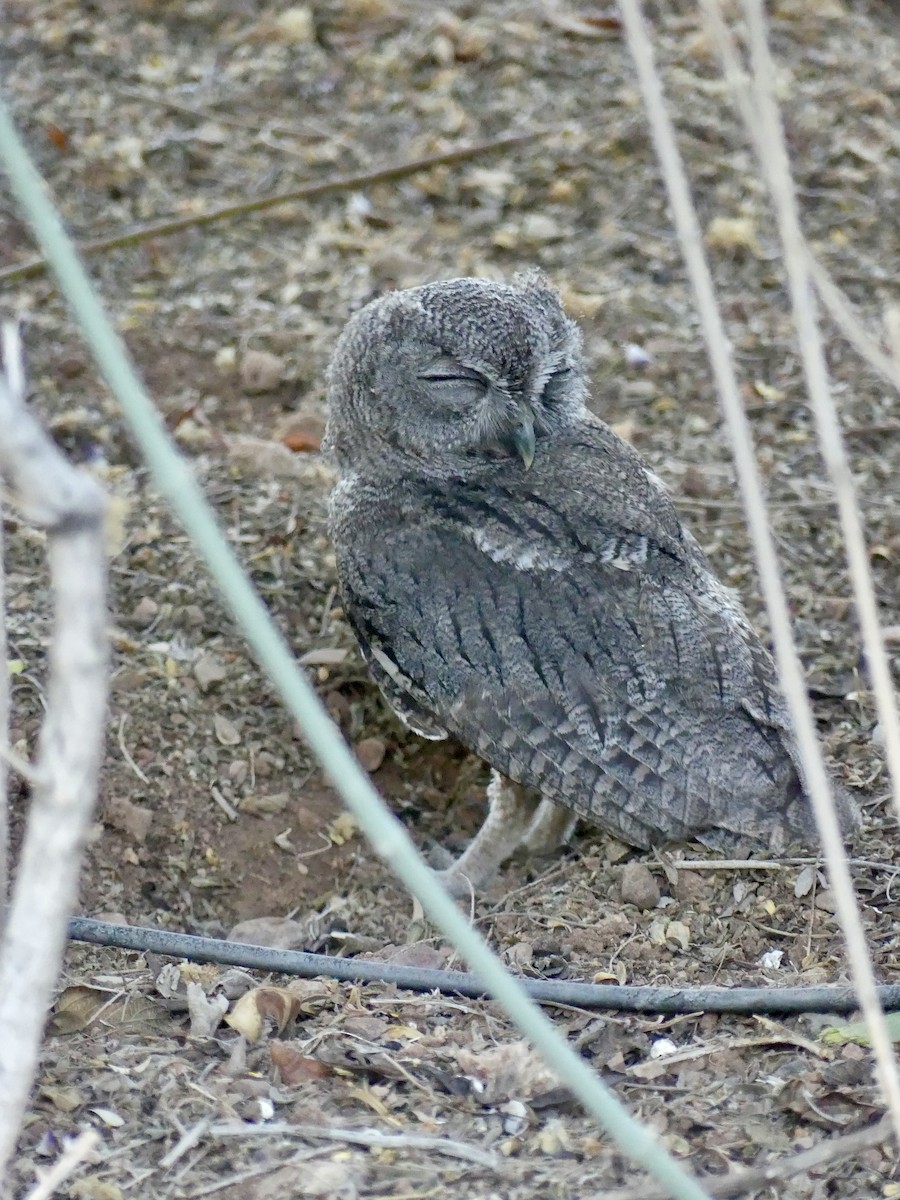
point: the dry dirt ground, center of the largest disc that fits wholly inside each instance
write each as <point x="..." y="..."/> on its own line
<point x="211" y="810"/>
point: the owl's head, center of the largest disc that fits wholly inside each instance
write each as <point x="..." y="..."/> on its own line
<point x="446" y="376"/>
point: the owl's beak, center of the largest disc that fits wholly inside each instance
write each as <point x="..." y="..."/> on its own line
<point x="523" y="438"/>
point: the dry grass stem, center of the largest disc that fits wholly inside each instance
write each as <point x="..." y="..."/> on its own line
<point x="753" y="1179"/>
<point x="754" y="97"/>
<point x="850" y="324"/>
<point x="773" y="157"/>
<point x="752" y="491"/>
<point x="5" y="750"/>
<point x="834" y="299"/>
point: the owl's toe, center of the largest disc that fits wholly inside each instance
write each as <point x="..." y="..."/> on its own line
<point x="459" y="885"/>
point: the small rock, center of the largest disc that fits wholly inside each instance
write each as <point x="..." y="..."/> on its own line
<point x="144" y="613"/>
<point x="520" y="956"/>
<point x="732" y="233"/>
<point x="323" y="656"/>
<point x="696" y="482"/>
<point x="70" y="366"/>
<point x="637" y="356"/>
<point x="661" y="1047"/>
<point x="688" y="886"/>
<point x="295" y="25"/>
<point x="281" y="933"/>
<point x="370" y="753"/>
<point x="418" y="954"/>
<point x="302" y="432"/>
<point x="129" y="818"/>
<point x="261" y="371"/>
<point x="227" y="733"/>
<point x="193" y="615"/>
<point x="638" y="886"/>
<point x="259" y="805"/>
<point x="112" y="917"/>
<point x="208" y="671"/>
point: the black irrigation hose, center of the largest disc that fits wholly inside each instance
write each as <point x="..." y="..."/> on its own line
<point x="833" y="999"/>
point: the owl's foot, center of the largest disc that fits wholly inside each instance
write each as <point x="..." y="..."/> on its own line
<point x="512" y="812"/>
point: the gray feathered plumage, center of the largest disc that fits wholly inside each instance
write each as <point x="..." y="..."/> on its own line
<point x="556" y="618"/>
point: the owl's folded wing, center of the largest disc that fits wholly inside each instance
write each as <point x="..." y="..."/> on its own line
<point x="606" y="681"/>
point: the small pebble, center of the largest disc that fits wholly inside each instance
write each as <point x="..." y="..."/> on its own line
<point x="208" y="671"/>
<point x="261" y="371"/>
<point x="144" y="613"/>
<point x="370" y="753"/>
<point x="639" y="887"/>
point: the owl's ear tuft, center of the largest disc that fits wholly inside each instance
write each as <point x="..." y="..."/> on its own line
<point x="534" y="282"/>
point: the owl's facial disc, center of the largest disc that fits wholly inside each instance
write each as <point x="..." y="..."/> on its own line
<point x="450" y="377"/>
<point x="488" y="418"/>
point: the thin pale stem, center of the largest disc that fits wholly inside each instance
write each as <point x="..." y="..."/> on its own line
<point x="741" y="437"/>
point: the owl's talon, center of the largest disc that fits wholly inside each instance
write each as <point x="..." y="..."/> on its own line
<point x="459" y="886"/>
<point x="440" y="859"/>
<point x="550" y="828"/>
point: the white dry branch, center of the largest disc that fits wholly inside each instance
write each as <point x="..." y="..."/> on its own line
<point x="754" y="97"/>
<point x="754" y="94"/>
<point x="70" y="506"/>
<point x="776" y="170"/>
<point x="773" y="158"/>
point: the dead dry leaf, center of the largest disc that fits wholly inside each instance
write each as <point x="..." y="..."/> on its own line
<point x="206" y="1012"/>
<point x="293" y="1067"/>
<point x="227" y="733"/>
<point x="342" y="829"/>
<point x="265" y="1006"/>
<point x="80" y="1007"/>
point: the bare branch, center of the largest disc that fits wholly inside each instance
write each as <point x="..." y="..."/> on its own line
<point x="362" y="1137"/>
<point x="744" y="1180"/>
<point x="308" y="191"/>
<point x="70" y="506"/>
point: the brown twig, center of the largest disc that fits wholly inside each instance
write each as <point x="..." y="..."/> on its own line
<point x="308" y="191"/>
<point x="364" y="1137"/>
<point x="751" y="1179"/>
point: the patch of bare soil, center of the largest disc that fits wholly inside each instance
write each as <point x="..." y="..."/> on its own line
<point x="212" y="810"/>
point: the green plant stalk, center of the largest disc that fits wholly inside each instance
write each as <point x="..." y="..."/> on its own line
<point x="177" y="484"/>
